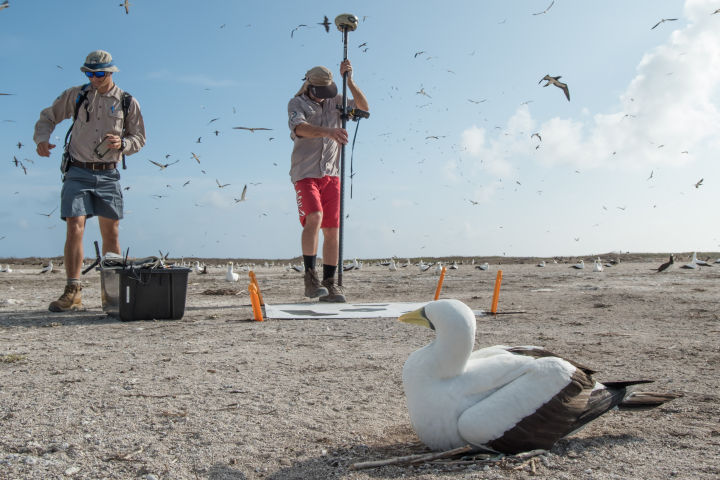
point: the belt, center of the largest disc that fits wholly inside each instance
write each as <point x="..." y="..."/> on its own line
<point x="93" y="165"/>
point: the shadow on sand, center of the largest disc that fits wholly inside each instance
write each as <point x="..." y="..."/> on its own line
<point x="336" y="464"/>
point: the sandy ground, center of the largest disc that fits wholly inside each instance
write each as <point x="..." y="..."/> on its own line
<point x="216" y="395"/>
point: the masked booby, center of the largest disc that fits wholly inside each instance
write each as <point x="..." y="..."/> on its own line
<point x="508" y="399"/>
<point x="579" y="265"/>
<point x="231" y="276"/>
<point x="693" y="265"/>
<point x="702" y="263"/>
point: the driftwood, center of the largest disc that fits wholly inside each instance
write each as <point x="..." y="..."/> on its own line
<point x="124" y="457"/>
<point x="524" y="457"/>
<point x="409" y="459"/>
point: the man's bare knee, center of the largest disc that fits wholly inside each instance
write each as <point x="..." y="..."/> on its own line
<point x="313" y="220"/>
<point x="75" y="226"/>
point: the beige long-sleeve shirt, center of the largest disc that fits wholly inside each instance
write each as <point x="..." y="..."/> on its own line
<point x="314" y="157"/>
<point x="99" y="115"/>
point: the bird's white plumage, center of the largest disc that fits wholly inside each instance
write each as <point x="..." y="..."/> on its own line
<point x="456" y="396"/>
<point x="231" y="276"/>
<point x="693" y="262"/>
<point x="700" y="262"/>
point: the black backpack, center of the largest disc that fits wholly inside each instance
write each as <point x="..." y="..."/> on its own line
<point x="81" y="98"/>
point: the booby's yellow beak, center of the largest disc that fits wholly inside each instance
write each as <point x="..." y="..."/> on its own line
<point x="417" y="317"/>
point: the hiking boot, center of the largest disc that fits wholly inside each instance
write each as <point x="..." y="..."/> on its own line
<point x="71" y="299"/>
<point x="335" y="292"/>
<point x="313" y="289"/>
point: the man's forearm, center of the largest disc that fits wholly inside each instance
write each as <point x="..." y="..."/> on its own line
<point x="359" y="97"/>
<point x="311" y="131"/>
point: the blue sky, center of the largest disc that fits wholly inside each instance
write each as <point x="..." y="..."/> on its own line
<point x="615" y="170"/>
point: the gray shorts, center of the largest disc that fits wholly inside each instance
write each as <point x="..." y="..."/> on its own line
<point x="91" y="192"/>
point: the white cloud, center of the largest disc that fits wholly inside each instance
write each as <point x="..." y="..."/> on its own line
<point x="473" y="140"/>
<point x="668" y="108"/>
<point x="215" y="198"/>
<point x="494" y="152"/>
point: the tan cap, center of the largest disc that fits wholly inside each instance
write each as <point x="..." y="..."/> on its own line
<point x="320" y="80"/>
<point x="99" y="61"/>
<point x="319" y="76"/>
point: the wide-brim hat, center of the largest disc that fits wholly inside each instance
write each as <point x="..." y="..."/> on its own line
<point x="319" y="81"/>
<point x="99" y="61"/>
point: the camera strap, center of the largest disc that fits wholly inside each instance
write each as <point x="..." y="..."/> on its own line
<point x="126" y="99"/>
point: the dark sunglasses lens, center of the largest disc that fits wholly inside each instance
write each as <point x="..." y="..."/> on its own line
<point x="95" y="74"/>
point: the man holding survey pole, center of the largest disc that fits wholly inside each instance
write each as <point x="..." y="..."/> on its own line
<point x="315" y="119"/>
<point x="107" y="125"/>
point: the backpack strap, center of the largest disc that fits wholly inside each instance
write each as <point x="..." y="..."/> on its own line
<point x="81" y="98"/>
<point x="126" y="99"/>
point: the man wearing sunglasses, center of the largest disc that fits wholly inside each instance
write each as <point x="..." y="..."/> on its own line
<point x="101" y="134"/>
<point x="315" y="127"/>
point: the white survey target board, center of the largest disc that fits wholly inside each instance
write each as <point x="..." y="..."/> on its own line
<point x="343" y="310"/>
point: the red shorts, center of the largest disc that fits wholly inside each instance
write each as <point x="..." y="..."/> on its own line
<point x="319" y="195"/>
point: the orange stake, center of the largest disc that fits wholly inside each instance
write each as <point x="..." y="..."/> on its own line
<point x="255" y="302"/>
<point x="440" y="282"/>
<point x="251" y="274"/>
<point x="496" y="293"/>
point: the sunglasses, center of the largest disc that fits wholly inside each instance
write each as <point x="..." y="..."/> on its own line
<point x="95" y="74"/>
